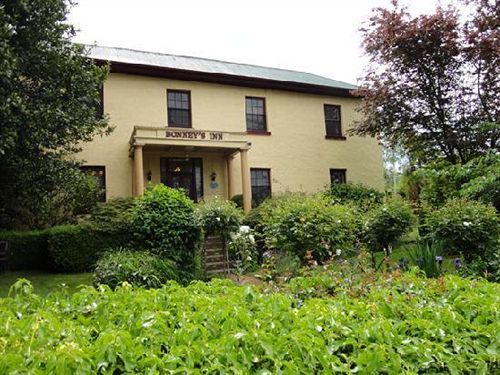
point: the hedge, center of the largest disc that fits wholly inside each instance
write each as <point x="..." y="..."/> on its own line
<point x="73" y="248"/>
<point x="27" y="249"/>
<point x="66" y="248"/>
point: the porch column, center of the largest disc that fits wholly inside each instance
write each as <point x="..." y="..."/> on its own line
<point x="245" y="176"/>
<point x="138" y="170"/>
<point x="230" y="176"/>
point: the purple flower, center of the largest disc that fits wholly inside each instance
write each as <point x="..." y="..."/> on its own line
<point x="457" y="263"/>
<point x="439" y="259"/>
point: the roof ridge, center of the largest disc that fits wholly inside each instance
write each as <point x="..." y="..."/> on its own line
<point x="216" y="60"/>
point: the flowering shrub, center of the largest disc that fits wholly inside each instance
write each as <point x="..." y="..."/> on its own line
<point x="466" y="227"/>
<point x="219" y="217"/>
<point x="387" y="223"/>
<point x="299" y="225"/>
<point x="242" y="249"/>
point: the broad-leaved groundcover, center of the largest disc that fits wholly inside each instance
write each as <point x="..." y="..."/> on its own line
<point x="395" y="323"/>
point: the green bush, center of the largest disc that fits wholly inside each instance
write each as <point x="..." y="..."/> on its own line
<point x="401" y="324"/>
<point x="361" y="195"/>
<point x="219" y="217"/>
<point x="164" y="222"/>
<point x="465" y="227"/>
<point x="73" y="248"/>
<point x="139" y="268"/>
<point x="486" y="266"/>
<point x="478" y="179"/>
<point x="27" y="249"/>
<point x="113" y="216"/>
<point x="300" y="225"/>
<point x="238" y="200"/>
<point x="386" y="224"/>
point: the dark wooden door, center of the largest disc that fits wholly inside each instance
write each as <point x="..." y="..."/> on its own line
<point x="180" y="174"/>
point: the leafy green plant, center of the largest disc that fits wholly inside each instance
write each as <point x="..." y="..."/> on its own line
<point x="478" y="180"/>
<point x="465" y="227"/>
<point x="219" y="217"/>
<point x="139" y="268"/>
<point x="386" y="224"/>
<point x="376" y="323"/>
<point x="298" y="225"/>
<point x="428" y="256"/>
<point x="164" y="222"/>
<point x="361" y="195"/>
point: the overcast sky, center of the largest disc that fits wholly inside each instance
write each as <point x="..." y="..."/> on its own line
<point x="316" y="36"/>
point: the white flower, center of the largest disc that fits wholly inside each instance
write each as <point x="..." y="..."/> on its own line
<point x="466" y="223"/>
<point x="338" y="252"/>
<point x="217" y="218"/>
<point x="239" y="335"/>
<point x="339" y="221"/>
<point x="245" y="229"/>
<point x="251" y="238"/>
<point x="319" y="328"/>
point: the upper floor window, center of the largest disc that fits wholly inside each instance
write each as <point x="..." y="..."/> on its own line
<point x="179" y="108"/>
<point x="261" y="184"/>
<point x="99" y="173"/>
<point x="256" y="114"/>
<point x="337" y="176"/>
<point x="332" y="121"/>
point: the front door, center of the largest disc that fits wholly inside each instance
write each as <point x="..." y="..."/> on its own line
<point x="183" y="173"/>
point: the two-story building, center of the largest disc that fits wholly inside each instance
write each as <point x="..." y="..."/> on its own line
<point x="221" y="128"/>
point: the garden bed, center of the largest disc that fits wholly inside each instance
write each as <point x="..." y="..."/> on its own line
<point x="385" y="323"/>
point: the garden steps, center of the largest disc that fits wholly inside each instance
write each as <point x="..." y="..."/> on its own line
<point x="215" y="257"/>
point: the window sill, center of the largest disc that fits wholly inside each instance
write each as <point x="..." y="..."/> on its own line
<point x="258" y="132"/>
<point x="337" y="137"/>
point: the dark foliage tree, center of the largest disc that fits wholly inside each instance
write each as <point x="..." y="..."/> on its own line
<point x="49" y="91"/>
<point x="433" y="83"/>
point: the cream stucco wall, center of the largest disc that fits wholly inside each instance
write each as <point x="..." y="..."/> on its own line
<point x="296" y="151"/>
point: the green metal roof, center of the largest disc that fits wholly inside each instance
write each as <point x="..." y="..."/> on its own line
<point x="197" y="64"/>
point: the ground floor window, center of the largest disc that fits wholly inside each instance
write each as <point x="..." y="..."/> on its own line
<point x="261" y="184"/>
<point x="337" y="176"/>
<point x="99" y="172"/>
<point x="183" y="173"/>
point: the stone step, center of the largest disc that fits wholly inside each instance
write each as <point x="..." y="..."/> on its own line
<point x="214" y="257"/>
<point x="219" y="271"/>
<point x="215" y="265"/>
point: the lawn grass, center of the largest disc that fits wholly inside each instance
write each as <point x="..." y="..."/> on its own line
<point x="44" y="282"/>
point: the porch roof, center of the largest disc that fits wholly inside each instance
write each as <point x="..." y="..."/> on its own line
<point x="190" y="138"/>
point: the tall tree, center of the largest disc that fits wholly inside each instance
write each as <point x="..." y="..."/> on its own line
<point x="49" y="91"/>
<point x="432" y="85"/>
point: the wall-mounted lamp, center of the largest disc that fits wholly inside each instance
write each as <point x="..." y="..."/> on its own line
<point x="149" y="175"/>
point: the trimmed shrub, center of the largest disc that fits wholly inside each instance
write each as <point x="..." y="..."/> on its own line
<point x="164" y="222"/>
<point x="386" y="224"/>
<point x="465" y="227"/>
<point x="27" y="249"/>
<point x="113" y="216"/>
<point x="361" y="195"/>
<point x="139" y="268"/>
<point x="219" y="216"/>
<point x="308" y="225"/>
<point x="73" y="248"/>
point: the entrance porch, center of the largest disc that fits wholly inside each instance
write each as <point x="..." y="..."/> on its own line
<point x="201" y="162"/>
